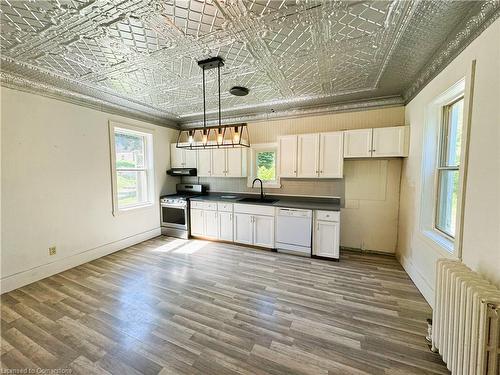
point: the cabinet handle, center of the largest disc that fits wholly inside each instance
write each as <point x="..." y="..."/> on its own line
<point x="317" y="227"/>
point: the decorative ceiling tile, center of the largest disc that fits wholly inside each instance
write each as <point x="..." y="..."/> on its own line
<point x="141" y="56"/>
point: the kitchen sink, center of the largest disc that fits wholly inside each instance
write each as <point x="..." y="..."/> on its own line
<point x="257" y="200"/>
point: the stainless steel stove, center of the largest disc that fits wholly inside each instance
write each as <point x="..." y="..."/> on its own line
<point x="175" y="210"/>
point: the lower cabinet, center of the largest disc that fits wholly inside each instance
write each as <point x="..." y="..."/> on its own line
<point x="225" y="226"/>
<point x="211" y="224"/>
<point x="197" y="223"/>
<point x="243" y="228"/>
<point x="204" y="219"/>
<point x="263" y="231"/>
<point x="248" y="224"/>
<point x="326" y="234"/>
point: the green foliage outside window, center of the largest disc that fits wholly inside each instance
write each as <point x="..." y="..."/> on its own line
<point x="266" y="165"/>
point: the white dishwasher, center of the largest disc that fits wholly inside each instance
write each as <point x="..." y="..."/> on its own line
<point x="294" y="231"/>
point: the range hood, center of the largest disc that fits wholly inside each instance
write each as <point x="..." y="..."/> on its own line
<point x="182" y="172"/>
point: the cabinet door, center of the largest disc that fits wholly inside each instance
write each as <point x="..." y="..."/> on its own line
<point x="190" y="157"/>
<point x="326" y="239"/>
<point x="331" y="155"/>
<point x="234" y="162"/>
<point x="243" y="228"/>
<point x="358" y="143"/>
<point x="218" y="162"/>
<point x="197" y="225"/>
<point x="288" y="155"/>
<point x="263" y="231"/>
<point x="307" y="160"/>
<point x="225" y="224"/>
<point x="176" y="156"/>
<point x="210" y="221"/>
<point x="204" y="163"/>
<point x="390" y="141"/>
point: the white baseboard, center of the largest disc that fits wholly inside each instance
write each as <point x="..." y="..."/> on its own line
<point x="422" y="285"/>
<point x="22" y="278"/>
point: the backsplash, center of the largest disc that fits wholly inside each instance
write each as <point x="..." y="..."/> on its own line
<point x="308" y="187"/>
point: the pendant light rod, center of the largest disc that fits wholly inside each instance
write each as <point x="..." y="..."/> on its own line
<point x="218" y="76"/>
<point x="204" y="104"/>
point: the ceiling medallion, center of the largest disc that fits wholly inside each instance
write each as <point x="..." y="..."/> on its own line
<point x="219" y="136"/>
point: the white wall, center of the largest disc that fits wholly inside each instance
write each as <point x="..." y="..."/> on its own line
<point x="481" y="238"/>
<point x="56" y="187"/>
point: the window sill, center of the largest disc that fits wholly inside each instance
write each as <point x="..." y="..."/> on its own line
<point x="276" y="185"/>
<point x="131" y="209"/>
<point x="444" y="243"/>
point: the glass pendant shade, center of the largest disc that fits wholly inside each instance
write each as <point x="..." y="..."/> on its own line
<point x="223" y="136"/>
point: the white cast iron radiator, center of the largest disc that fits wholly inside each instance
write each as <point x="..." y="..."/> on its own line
<point x="466" y="320"/>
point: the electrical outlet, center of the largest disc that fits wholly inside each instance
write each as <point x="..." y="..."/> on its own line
<point x="52" y="250"/>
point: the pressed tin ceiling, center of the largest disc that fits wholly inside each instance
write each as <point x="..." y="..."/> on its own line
<point x="139" y="57"/>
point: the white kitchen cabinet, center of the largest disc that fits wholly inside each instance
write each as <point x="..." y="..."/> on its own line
<point x="390" y="142"/>
<point x="236" y="162"/>
<point x="197" y="223"/>
<point x="204" y="163"/>
<point x="225" y="226"/>
<point x="331" y="155"/>
<point x="230" y="162"/>
<point x="243" y="228"/>
<point x="307" y="155"/>
<point x="254" y="225"/>
<point x="326" y="237"/>
<point x="181" y="157"/>
<point x="378" y="142"/>
<point x="218" y="162"/>
<point x="211" y="224"/>
<point x="190" y="158"/>
<point x="358" y="143"/>
<point x="263" y="231"/>
<point x="288" y="155"/>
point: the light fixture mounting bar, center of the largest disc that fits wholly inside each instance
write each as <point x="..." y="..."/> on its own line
<point x="211" y="63"/>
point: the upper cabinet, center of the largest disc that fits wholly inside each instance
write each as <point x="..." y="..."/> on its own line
<point x="393" y="141"/>
<point x="377" y="142"/>
<point x="307" y="155"/>
<point x="288" y="155"/>
<point x="358" y="143"/>
<point x="318" y="155"/>
<point x="227" y="162"/>
<point x="331" y="155"/>
<point x="181" y="157"/>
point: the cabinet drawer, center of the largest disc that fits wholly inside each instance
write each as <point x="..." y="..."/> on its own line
<point x="210" y="206"/>
<point x="328" y="215"/>
<point x="253" y="209"/>
<point x="225" y="207"/>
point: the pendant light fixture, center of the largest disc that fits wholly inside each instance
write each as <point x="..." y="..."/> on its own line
<point x="219" y="136"/>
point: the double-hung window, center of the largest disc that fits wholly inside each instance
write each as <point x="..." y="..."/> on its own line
<point x="448" y="167"/>
<point x="443" y="178"/>
<point x="132" y="167"/>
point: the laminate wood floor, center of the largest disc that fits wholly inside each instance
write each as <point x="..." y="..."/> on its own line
<point x="169" y="306"/>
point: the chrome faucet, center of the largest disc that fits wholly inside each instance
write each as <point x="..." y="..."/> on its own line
<point x="261" y="188"/>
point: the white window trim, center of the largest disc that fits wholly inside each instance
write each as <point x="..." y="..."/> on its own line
<point x="251" y="167"/>
<point x="149" y="162"/>
<point x="446" y="246"/>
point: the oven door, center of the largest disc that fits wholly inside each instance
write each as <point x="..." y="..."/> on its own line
<point x="174" y="216"/>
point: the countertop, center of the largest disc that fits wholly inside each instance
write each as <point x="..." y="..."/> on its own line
<point x="311" y="203"/>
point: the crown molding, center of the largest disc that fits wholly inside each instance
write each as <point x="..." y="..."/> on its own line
<point x="363" y="105"/>
<point x="31" y="86"/>
<point x="488" y="13"/>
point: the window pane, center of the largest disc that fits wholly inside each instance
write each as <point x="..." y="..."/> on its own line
<point x="446" y="213"/>
<point x="129" y="150"/>
<point x="266" y="165"/>
<point x="131" y="187"/>
<point x="453" y="135"/>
